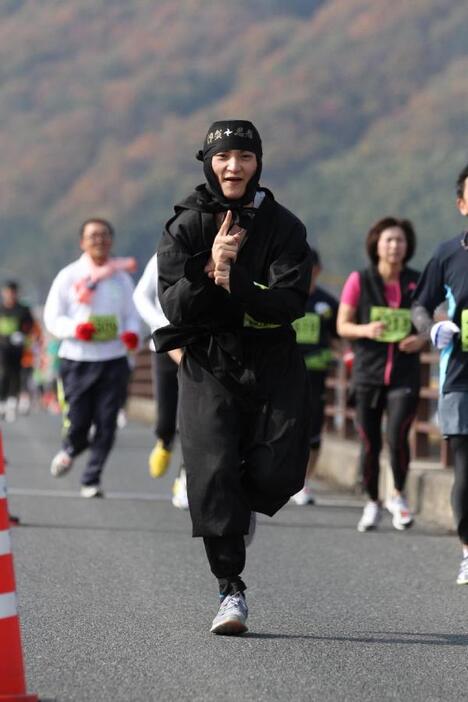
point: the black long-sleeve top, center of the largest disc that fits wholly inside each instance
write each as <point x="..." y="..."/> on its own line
<point x="269" y="288"/>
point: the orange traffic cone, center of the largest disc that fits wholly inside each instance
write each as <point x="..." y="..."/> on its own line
<point x="12" y="681"/>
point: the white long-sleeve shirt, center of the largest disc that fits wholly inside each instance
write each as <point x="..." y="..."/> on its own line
<point x="112" y="302"/>
<point x="146" y="298"/>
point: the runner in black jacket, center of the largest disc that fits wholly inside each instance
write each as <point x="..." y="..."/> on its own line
<point x="445" y="279"/>
<point x="234" y="268"/>
<point x="375" y="314"/>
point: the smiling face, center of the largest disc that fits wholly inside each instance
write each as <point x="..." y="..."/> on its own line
<point x="392" y="246"/>
<point x="96" y="240"/>
<point x="234" y="169"/>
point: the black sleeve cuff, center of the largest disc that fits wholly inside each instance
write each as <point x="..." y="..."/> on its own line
<point x="194" y="266"/>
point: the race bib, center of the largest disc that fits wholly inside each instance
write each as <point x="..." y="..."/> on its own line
<point x="249" y="321"/>
<point x="106" y="327"/>
<point x="307" y="328"/>
<point x="8" y="326"/>
<point x="397" y="323"/>
<point x="464" y="330"/>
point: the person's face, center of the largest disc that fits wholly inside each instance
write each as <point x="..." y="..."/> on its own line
<point x="392" y="246"/>
<point x="462" y="202"/>
<point x="96" y="241"/>
<point x="9" y="297"/>
<point x="234" y="169"/>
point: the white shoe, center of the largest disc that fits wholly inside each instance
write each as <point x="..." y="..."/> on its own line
<point x="371" y="516"/>
<point x="401" y="516"/>
<point x="10" y="409"/>
<point x="61" y="464"/>
<point x="179" y="491"/>
<point x="122" y="420"/>
<point x="91" y="491"/>
<point x="303" y="497"/>
<point x="24" y="404"/>
<point x="232" y="616"/>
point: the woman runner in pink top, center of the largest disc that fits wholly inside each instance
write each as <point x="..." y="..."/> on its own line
<point x="374" y="314"/>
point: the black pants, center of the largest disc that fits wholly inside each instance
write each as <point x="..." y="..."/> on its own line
<point x="166" y="390"/>
<point x="226" y="556"/>
<point x="240" y="460"/>
<point x="93" y="393"/>
<point x="10" y="372"/>
<point x="317" y="409"/>
<point x="459" y="447"/>
<point x="400" y="404"/>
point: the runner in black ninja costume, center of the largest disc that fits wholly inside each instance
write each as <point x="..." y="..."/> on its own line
<point x="234" y="269"/>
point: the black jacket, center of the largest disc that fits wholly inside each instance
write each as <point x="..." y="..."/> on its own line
<point x="235" y="335"/>
<point x="371" y="357"/>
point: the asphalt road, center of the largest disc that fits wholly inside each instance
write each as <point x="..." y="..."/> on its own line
<point x="116" y="598"/>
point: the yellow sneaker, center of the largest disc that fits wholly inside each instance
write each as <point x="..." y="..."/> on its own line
<point x="159" y="460"/>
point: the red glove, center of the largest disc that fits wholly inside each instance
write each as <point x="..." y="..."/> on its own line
<point x="85" y="331"/>
<point x="348" y="360"/>
<point x="130" y="339"/>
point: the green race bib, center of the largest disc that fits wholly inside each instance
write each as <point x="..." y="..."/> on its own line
<point x="8" y="326"/>
<point x="106" y="327"/>
<point x="307" y="328"/>
<point x="397" y="323"/>
<point x="254" y="324"/>
<point x="464" y="330"/>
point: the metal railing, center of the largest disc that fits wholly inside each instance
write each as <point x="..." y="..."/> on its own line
<point x="425" y="438"/>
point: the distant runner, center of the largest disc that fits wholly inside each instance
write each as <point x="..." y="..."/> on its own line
<point x="16" y="322"/>
<point x="445" y="278"/>
<point x="316" y="335"/>
<point x="374" y="314"/>
<point x="165" y="384"/>
<point x="90" y="308"/>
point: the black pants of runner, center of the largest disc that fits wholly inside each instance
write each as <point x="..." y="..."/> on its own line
<point x="459" y="447"/>
<point x="166" y="390"/>
<point x="317" y="408"/>
<point x="400" y="405"/>
<point x="226" y="556"/>
<point x="10" y="373"/>
<point x="93" y="393"/>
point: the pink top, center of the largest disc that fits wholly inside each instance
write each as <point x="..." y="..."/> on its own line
<point x="350" y="296"/>
<point x="352" y="291"/>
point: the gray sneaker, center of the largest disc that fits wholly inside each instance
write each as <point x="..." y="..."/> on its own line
<point x="232" y="616"/>
<point x="463" y="572"/>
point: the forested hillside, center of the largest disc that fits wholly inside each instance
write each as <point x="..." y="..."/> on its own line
<point x="362" y="106"/>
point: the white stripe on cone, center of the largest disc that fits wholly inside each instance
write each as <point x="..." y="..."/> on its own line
<point x="5" y="543"/>
<point x="8" y="605"/>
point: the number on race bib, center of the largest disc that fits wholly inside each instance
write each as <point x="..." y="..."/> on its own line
<point x="397" y="323"/>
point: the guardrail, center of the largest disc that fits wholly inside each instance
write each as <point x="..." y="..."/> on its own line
<point x="425" y="438"/>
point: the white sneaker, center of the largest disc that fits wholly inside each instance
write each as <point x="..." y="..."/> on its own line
<point x="10" y="409"/>
<point x="462" y="578"/>
<point x="24" y="404"/>
<point x="122" y="420"/>
<point x="371" y="516"/>
<point x="303" y="497"/>
<point x="61" y="464"/>
<point x="179" y="491"/>
<point x="401" y="516"/>
<point x="232" y="616"/>
<point x="91" y="491"/>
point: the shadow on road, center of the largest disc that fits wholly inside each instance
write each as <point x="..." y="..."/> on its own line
<point x="388" y="637"/>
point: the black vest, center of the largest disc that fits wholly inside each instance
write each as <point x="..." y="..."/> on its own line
<point x="370" y="357"/>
